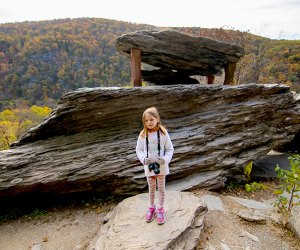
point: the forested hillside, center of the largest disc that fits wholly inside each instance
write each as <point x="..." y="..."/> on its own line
<point x="39" y="61"/>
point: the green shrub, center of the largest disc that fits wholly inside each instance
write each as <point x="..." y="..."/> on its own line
<point x="248" y="170"/>
<point x="255" y="186"/>
<point x="290" y="183"/>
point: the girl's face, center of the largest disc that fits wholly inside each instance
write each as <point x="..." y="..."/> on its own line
<point x="150" y="121"/>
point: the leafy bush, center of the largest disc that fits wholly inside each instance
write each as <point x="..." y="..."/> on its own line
<point x="255" y="186"/>
<point x="289" y="183"/>
<point x="14" y="123"/>
<point x="248" y="170"/>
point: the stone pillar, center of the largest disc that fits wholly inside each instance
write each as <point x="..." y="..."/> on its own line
<point x="229" y="73"/>
<point x="210" y="79"/>
<point x="135" y="64"/>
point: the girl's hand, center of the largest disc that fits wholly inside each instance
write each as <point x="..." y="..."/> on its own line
<point x="160" y="160"/>
<point x="147" y="161"/>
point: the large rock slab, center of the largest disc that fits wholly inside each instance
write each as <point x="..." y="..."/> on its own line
<point x="170" y="49"/>
<point x="252" y="203"/>
<point x="294" y="220"/>
<point x="127" y="229"/>
<point x="88" y="141"/>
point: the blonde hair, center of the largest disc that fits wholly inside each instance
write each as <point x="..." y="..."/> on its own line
<point x="153" y="112"/>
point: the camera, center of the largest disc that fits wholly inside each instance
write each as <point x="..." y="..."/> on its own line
<point x="155" y="167"/>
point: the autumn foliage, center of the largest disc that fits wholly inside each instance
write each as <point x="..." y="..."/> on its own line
<point x="265" y="61"/>
<point x="14" y="123"/>
<point x="40" y="61"/>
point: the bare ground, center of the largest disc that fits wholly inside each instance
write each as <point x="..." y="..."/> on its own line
<point x="73" y="227"/>
<point x="228" y="228"/>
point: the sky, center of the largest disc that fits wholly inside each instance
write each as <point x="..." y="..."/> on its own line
<point x="276" y="19"/>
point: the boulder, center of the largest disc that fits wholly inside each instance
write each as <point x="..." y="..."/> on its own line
<point x="170" y="49"/>
<point x="294" y="220"/>
<point x="127" y="229"/>
<point x="88" y="142"/>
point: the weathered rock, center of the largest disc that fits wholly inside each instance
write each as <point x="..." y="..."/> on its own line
<point x="252" y="204"/>
<point x="292" y="146"/>
<point x="173" y="50"/>
<point x="251" y="236"/>
<point x="252" y="216"/>
<point x="88" y="141"/>
<point x="294" y="220"/>
<point x="127" y="228"/>
<point x="213" y="202"/>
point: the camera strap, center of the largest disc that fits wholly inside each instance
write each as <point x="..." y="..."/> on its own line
<point x="158" y="143"/>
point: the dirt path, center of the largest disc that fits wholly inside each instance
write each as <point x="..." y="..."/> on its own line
<point x="63" y="228"/>
<point x="73" y="228"/>
<point x="57" y="230"/>
<point x="226" y="228"/>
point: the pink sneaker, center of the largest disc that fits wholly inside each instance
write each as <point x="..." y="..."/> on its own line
<point x="150" y="214"/>
<point x="161" y="216"/>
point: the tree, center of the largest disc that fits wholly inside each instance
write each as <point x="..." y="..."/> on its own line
<point x="14" y="123"/>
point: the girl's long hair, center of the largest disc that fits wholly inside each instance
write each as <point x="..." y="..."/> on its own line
<point x="154" y="112"/>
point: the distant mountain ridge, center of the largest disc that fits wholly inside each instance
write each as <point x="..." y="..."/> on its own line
<point x="39" y="61"/>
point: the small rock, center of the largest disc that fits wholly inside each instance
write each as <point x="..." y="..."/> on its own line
<point x="252" y="216"/>
<point x="251" y="236"/>
<point x="213" y="202"/>
<point x="37" y="246"/>
<point x="224" y="246"/>
<point x="45" y="238"/>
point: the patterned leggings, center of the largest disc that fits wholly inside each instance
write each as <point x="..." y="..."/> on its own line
<point x="161" y="181"/>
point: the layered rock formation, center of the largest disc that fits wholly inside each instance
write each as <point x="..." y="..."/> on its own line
<point x="127" y="229"/>
<point x="88" y="141"/>
<point x="173" y="50"/>
<point x="185" y="55"/>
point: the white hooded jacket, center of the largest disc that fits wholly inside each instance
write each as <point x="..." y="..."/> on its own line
<point x="166" y="151"/>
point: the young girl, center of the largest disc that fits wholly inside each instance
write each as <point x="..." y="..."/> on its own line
<point x="154" y="146"/>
